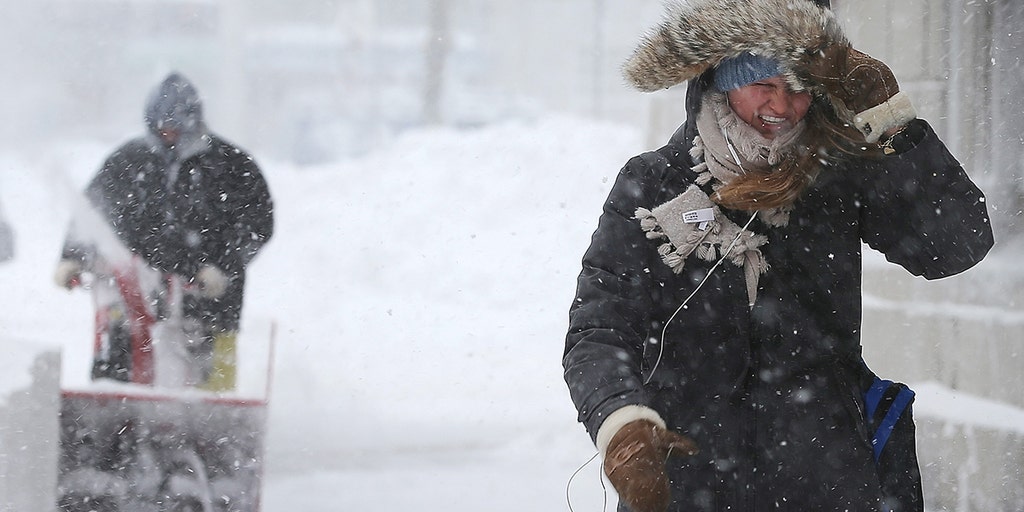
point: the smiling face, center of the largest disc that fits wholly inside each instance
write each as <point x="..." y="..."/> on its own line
<point x="769" y="105"/>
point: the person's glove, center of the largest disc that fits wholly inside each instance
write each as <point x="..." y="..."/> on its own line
<point x="68" y="274"/>
<point x="863" y="89"/>
<point x="635" y="464"/>
<point x="212" y="282"/>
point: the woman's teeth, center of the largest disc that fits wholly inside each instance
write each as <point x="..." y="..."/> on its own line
<point x="773" y="120"/>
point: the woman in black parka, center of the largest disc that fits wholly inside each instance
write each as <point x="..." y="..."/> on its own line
<point x="713" y="350"/>
<point x="188" y="203"/>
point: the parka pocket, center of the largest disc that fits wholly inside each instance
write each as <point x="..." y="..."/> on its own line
<point x="851" y="394"/>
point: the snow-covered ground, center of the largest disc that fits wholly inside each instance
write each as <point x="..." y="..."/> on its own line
<point x="420" y="297"/>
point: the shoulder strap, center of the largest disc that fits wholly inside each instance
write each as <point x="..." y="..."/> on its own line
<point x="873" y="397"/>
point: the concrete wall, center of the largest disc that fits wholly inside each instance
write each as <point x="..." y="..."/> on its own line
<point x="965" y="334"/>
<point x="968" y="468"/>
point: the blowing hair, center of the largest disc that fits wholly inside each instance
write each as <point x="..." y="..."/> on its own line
<point x="826" y="140"/>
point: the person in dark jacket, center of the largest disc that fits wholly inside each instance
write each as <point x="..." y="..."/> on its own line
<point x="713" y="351"/>
<point x="189" y="204"/>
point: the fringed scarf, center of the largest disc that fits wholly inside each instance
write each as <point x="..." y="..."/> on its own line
<point x="690" y="223"/>
<point x="714" y="153"/>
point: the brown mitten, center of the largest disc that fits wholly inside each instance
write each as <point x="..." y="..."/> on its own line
<point x="635" y="464"/>
<point x="863" y="89"/>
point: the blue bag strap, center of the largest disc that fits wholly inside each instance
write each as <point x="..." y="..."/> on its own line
<point x="899" y="404"/>
<point x="874" y="395"/>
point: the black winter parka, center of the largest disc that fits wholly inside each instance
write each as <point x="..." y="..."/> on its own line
<point x="216" y="210"/>
<point x="772" y="394"/>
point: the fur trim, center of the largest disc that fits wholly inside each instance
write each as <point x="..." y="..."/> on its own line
<point x="696" y="35"/>
<point x="873" y="122"/>
<point x="620" y="418"/>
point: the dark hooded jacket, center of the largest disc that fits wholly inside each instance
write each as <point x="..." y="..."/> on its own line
<point x="202" y="201"/>
<point x="771" y="393"/>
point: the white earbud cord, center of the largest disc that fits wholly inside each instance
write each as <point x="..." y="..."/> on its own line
<point x="732" y="151"/>
<point x="568" y="485"/>
<point x="664" y="329"/>
<point x="661" y="348"/>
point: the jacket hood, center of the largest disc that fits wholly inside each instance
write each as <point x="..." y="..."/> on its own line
<point x="696" y="35"/>
<point x="175" y="104"/>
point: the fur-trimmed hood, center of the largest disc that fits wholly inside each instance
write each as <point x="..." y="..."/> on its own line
<point x="696" y="35"/>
